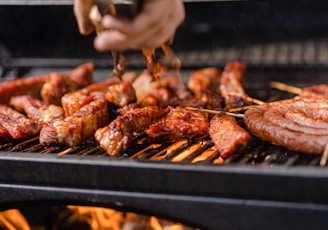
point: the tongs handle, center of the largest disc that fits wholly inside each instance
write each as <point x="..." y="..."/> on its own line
<point x="127" y="9"/>
<point x="122" y="8"/>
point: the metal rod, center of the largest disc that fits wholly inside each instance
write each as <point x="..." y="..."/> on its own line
<point x="70" y="2"/>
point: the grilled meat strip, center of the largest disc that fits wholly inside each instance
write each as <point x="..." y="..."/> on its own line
<point x="24" y="86"/>
<point x="16" y="125"/>
<point x="298" y="124"/>
<point x="203" y="80"/>
<point x="119" y="133"/>
<point x="178" y="124"/>
<point x="205" y="85"/>
<point x="231" y="87"/>
<point x="60" y="84"/>
<point x="78" y="127"/>
<point x="36" y="110"/>
<point x="227" y="135"/>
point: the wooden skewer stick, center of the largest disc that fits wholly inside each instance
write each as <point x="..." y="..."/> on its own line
<point x="324" y="156"/>
<point x="242" y="108"/>
<point x="215" y="112"/>
<point x="248" y="98"/>
<point x="285" y="87"/>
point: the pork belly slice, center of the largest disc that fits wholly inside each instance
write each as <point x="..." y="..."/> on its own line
<point x="16" y="125"/>
<point x="36" y="110"/>
<point x="117" y="136"/>
<point x="80" y="126"/>
<point x="179" y="123"/>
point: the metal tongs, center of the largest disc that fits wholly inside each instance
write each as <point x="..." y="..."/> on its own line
<point x="128" y="9"/>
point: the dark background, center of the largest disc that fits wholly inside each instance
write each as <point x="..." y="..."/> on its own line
<point x="51" y="31"/>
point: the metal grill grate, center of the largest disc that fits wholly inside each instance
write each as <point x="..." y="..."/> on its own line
<point x="312" y="52"/>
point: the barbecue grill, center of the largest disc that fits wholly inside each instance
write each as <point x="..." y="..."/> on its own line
<point x="263" y="187"/>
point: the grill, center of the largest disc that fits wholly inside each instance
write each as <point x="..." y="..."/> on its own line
<point x="264" y="186"/>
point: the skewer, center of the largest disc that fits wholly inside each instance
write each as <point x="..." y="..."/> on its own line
<point x="242" y="108"/>
<point x="209" y="111"/>
<point x="324" y="156"/>
<point x="248" y="98"/>
<point x="285" y="87"/>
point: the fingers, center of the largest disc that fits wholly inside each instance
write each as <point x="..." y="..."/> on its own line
<point x="151" y="28"/>
<point x="81" y="11"/>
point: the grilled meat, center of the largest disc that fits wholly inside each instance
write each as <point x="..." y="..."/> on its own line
<point x="178" y="124"/>
<point x="205" y="85"/>
<point x="119" y="133"/>
<point x="73" y="101"/>
<point x="204" y="80"/>
<point x="16" y="125"/>
<point x="36" y="110"/>
<point x="161" y="97"/>
<point x="298" y="124"/>
<point x="24" y="86"/>
<point x="227" y="135"/>
<point x="231" y="87"/>
<point x="144" y="85"/>
<point x="121" y="94"/>
<point x="60" y="84"/>
<point x="78" y="127"/>
<point x="315" y="91"/>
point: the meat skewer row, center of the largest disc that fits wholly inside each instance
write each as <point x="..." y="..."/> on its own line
<point x="33" y="85"/>
<point x="298" y="124"/>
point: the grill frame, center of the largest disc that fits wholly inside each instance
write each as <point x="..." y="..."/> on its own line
<point x="205" y="196"/>
<point x="279" y="190"/>
<point x="235" y="195"/>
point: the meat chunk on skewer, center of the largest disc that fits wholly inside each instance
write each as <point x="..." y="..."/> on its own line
<point x="16" y="125"/>
<point x="178" y="124"/>
<point x="36" y="110"/>
<point x="203" y="80"/>
<point x="231" y="87"/>
<point x="227" y="135"/>
<point x="78" y="127"/>
<point x="121" y="94"/>
<point x="119" y="133"/>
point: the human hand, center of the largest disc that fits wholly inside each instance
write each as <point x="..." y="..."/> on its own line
<point x="153" y="26"/>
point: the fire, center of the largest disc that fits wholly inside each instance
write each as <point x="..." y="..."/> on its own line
<point x="93" y="218"/>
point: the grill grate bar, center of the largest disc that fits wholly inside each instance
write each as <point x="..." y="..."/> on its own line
<point x="195" y="151"/>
